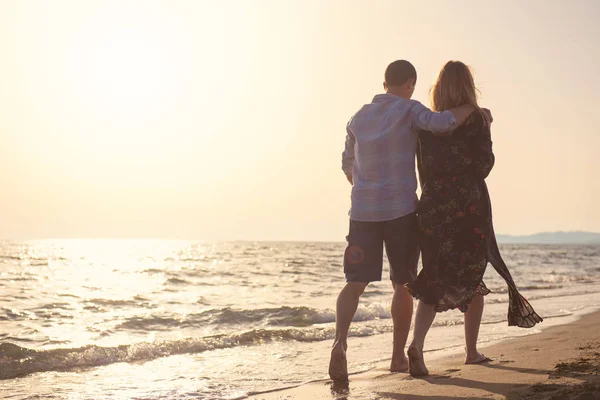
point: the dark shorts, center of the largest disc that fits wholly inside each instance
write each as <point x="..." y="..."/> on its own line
<point x="363" y="258"/>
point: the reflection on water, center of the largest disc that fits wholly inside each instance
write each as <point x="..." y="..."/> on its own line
<point x="180" y="319"/>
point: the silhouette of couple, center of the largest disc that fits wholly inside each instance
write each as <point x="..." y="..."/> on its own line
<point x="450" y="226"/>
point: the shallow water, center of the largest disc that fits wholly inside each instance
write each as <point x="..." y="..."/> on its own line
<point x="151" y="319"/>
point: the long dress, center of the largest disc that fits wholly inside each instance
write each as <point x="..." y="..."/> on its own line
<point x="455" y="223"/>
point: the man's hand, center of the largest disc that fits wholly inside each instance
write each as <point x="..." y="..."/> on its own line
<point x="349" y="177"/>
<point x="462" y="113"/>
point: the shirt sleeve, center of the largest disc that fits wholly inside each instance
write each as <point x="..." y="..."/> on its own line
<point x="427" y="120"/>
<point x="348" y="154"/>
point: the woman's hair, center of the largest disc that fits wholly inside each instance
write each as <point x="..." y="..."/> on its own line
<point x="455" y="87"/>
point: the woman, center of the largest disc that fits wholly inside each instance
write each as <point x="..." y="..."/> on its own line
<point x="455" y="222"/>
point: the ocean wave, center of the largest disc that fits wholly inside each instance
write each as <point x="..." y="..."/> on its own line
<point x="373" y="293"/>
<point x="23" y="279"/>
<point x="14" y="315"/>
<point x="540" y="287"/>
<point x="154" y="323"/>
<point x="152" y="271"/>
<point x="504" y="299"/>
<point x="176" y="281"/>
<point x="18" y="361"/>
<point x="67" y="295"/>
<point x="562" y="278"/>
<point x="286" y="316"/>
<point x="38" y="263"/>
<point x="135" y="302"/>
<point x="277" y="317"/>
<point x="533" y="287"/>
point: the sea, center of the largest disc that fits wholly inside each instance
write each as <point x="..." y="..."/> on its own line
<point x="162" y="319"/>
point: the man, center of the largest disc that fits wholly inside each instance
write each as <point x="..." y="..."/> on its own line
<point x="379" y="162"/>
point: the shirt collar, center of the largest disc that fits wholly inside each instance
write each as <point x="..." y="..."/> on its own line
<point x="383" y="97"/>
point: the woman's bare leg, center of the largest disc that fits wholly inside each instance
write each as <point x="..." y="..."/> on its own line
<point x="472" y="323"/>
<point x="423" y="320"/>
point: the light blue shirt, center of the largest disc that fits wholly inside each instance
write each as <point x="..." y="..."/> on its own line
<point x="381" y="144"/>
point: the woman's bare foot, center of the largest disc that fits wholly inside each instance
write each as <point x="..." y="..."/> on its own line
<point x="476" y="358"/>
<point x="399" y="364"/>
<point x="416" y="363"/>
<point x="338" y="366"/>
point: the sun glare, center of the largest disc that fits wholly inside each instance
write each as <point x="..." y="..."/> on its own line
<point x="130" y="73"/>
<point x="127" y="70"/>
<point x="147" y="74"/>
<point x="138" y="91"/>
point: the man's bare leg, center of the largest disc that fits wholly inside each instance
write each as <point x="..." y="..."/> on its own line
<point x="346" y="306"/>
<point x="402" y="309"/>
<point x="472" y="323"/>
<point x="423" y="320"/>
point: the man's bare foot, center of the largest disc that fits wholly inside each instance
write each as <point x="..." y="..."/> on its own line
<point x="338" y="366"/>
<point x="416" y="363"/>
<point x="476" y="358"/>
<point x="399" y="364"/>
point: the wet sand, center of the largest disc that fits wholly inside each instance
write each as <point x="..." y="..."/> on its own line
<point x="561" y="362"/>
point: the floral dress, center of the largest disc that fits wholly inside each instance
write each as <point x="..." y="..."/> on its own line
<point x="455" y="223"/>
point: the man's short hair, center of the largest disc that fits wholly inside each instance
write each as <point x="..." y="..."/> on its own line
<point x="399" y="72"/>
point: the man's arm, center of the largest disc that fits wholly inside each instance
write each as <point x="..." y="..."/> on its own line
<point x="348" y="154"/>
<point x="439" y="123"/>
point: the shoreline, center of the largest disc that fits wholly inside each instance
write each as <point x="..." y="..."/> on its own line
<point x="560" y="362"/>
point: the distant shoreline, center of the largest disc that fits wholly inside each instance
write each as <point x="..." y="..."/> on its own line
<point x="552" y="238"/>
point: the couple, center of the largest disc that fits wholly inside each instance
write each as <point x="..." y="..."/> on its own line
<point x="451" y="225"/>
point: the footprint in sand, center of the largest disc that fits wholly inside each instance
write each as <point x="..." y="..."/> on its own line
<point x="505" y="361"/>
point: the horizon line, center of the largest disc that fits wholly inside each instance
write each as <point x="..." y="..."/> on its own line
<point x="150" y="238"/>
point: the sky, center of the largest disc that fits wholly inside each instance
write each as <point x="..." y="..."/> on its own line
<point x="226" y="120"/>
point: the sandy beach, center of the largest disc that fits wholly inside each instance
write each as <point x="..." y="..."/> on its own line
<point x="561" y="362"/>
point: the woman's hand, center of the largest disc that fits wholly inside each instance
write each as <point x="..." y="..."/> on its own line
<point x="489" y="114"/>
